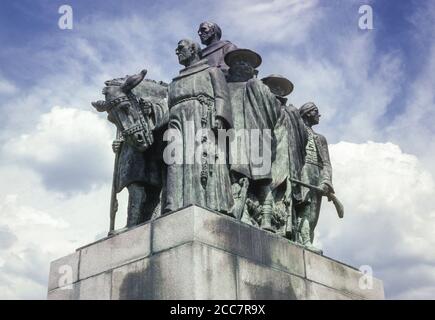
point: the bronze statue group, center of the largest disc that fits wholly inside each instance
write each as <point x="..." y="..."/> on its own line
<point x="272" y="169"/>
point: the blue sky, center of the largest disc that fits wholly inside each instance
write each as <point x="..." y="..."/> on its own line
<point x="25" y="23"/>
<point x="29" y="28"/>
<point x="374" y="89"/>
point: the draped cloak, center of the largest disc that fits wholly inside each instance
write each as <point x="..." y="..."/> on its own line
<point x="291" y="138"/>
<point x="254" y="109"/>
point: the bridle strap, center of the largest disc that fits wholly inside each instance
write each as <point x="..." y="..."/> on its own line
<point x="115" y="102"/>
<point x="132" y="99"/>
<point x="132" y="130"/>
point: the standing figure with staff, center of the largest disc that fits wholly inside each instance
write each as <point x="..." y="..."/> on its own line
<point x="317" y="172"/>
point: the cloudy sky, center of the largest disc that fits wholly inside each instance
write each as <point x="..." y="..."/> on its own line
<point x="374" y="88"/>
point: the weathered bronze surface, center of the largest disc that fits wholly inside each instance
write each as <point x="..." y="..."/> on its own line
<point x="198" y="100"/>
<point x="219" y="137"/>
<point x="216" y="49"/>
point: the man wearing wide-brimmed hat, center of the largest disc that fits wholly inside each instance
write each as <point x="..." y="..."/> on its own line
<point x="291" y="139"/>
<point x="317" y="171"/>
<point x="254" y="110"/>
<point x="243" y="64"/>
<point x="279" y="86"/>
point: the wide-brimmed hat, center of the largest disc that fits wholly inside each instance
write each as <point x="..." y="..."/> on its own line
<point x="279" y="85"/>
<point x="253" y="58"/>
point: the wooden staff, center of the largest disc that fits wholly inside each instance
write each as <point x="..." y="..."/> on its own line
<point x="113" y="199"/>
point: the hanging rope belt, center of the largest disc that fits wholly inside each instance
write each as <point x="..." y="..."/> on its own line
<point x="207" y="121"/>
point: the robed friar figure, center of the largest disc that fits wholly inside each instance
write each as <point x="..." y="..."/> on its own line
<point x="210" y="34"/>
<point x="199" y="106"/>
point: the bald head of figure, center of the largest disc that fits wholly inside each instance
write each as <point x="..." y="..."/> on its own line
<point x="209" y="32"/>
<point x="188" y="52"/>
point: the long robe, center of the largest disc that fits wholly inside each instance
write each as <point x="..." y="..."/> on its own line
<point x="254" y="107"/>
<point x="291" y="138"/>
<point x="196" y="98"/>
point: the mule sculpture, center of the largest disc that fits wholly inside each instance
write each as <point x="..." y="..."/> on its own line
<point x="139" y="110"/>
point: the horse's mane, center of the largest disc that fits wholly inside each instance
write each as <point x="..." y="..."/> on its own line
<point x="151" y="89"/>
<point x="120" y="81"/>
<point x="161" y="83"/>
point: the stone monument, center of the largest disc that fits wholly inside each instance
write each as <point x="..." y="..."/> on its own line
<point x="225" y="181"/>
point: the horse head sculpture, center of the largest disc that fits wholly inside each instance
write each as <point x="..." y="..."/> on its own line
<point x="130" y="114"/>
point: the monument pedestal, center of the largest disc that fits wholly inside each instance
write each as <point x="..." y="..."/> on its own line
<point x="198" y="254"/>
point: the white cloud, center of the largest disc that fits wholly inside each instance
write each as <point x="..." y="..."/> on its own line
<point x="414" y="127"/>
<point x="7" y="87"/>
<point x="37" y="238"/>
<point x="351" y="96"/>
<point x="56" y="162"/>
<point x="41" y="226"/>
<point x="69" y="148"/>
<point x="389" y="216"/>
<point x="257" y="23"/>
<point x="54" y="196"/>
<point x="49" y="152"/>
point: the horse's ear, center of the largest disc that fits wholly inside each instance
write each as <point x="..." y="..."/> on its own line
<point x="133" y="81"/>
<point x="100" y="105"/>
